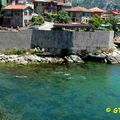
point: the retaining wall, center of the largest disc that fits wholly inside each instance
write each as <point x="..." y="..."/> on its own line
<point x="57" y="39"/>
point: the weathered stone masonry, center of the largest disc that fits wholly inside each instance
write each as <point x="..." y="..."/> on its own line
<point x="57" y="40"/>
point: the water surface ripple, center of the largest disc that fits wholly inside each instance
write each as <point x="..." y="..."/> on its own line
<point x="59" y="92"/>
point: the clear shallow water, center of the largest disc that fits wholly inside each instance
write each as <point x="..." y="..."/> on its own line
<point x="51" y="92"/>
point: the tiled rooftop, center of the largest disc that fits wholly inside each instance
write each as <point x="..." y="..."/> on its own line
<point x="78" y="9"/>
<point x="15" y="7"/>
<point x="96" y="9"/>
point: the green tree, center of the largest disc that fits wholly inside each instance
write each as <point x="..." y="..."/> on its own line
<point x="51" y="17"/>
<point x="37" y="20"/>
<point x="62" y="17"/>
<point x="113" y="21"/>
<point x="96" y="21"/>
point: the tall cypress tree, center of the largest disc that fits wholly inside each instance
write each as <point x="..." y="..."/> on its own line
<point x="3" y="2"/>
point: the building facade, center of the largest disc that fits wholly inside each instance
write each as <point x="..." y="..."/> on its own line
<point x="17" y="15"/>
<point x="43" y="7"/>
<point x="50" y="6"/>
<point x="79" y="14"/>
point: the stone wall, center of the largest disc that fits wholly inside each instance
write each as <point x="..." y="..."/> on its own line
<point x="57" y="40"/>
<point x="15" y="39"/>
<point x="93" y="40"/>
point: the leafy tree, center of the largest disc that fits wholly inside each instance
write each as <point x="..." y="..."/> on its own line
<point x="51" y="17"/>
<point x="113" y="23"/>
<point x="96" y="21"/>
<point x="37" y="20"/>
<point x="62" y="17"/>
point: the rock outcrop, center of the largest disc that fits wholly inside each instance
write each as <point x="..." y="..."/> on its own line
<point x="74" y="59"/>
<point x="25" y="59"/>
<point x="103" y="57"/>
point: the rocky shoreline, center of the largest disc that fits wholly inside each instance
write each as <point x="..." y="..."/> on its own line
<point x="26" y="59"/>
<point x="102" y="57"/>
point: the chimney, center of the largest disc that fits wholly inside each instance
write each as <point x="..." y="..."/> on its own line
<point x="13" y="2"/>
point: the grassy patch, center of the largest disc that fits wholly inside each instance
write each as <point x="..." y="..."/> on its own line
<point x="21" y="51"/>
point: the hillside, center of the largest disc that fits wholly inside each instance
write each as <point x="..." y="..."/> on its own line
<point x="105" y="4"/>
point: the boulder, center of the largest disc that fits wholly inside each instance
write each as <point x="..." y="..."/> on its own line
<point x="76" y="59"/>
<point x="68" y="59"/>
<point x="32" y="58"/>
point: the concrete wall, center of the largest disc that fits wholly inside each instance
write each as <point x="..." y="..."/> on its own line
<point x="57" y="39"/>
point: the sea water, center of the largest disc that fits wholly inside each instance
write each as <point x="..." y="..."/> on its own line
<point x="60" y="92"/>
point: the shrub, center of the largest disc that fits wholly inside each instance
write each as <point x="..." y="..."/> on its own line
<point x="14" y="51"/>
<point x="113" y="23"/>
<point x="22" y="51"/>
<point x="96" y="21"/>
<point x="37" y="20"/>
<point x="51" y="17"/>
<point x="62" y="17"/>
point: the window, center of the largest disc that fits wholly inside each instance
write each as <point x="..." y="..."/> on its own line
<point x="30" y="13"/>
<point x="25" y="22"/>
<point x="7" y="12"/>
<point x="25" y="13"/>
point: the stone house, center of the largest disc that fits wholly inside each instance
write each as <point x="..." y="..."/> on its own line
<point x="45" y="6"/>
<point x="50" y="6"/>
<point x="79" y="14"/>
<point x="17" y="15"/>
<point x="64" y="5"/>
<point x="97" y="11"/>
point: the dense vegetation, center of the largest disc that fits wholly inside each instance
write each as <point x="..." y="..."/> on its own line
<point x="106" y="4"/>
<point x="96" y="21"/>
<point x="112" y="22"/>
<point x="22" y="51"/>
<point x="60" y="17"/>
<point x="37" y="20"/>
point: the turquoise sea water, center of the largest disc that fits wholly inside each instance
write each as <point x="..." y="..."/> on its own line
<point x="57" y="92"/>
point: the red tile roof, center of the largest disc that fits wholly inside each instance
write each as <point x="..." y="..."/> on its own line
<point x="78" y="9"/>
<point x="116" y="12"/>
<point x="98" y="10"/>
<point x="15" y="7"/>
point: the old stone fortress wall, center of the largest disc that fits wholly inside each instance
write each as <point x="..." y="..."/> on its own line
<point x="57" y="40"/>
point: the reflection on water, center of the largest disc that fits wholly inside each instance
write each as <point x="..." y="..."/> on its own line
<point x="54" y="92"/>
